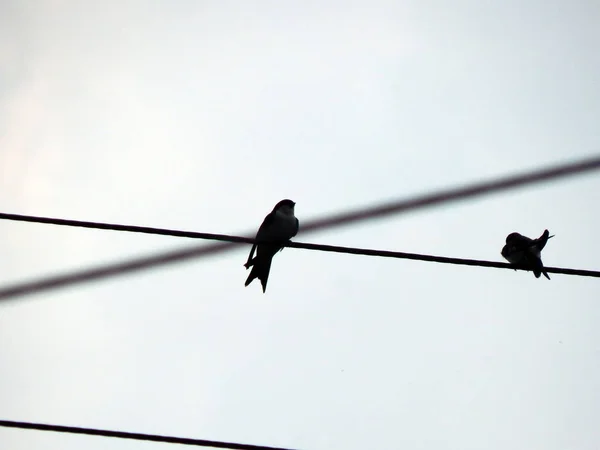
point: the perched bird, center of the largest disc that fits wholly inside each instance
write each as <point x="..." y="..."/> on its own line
<point x="279" y="226"/>
<point x="524" y="252"/>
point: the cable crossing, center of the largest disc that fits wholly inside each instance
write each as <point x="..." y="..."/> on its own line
<point x="228" y="242"/>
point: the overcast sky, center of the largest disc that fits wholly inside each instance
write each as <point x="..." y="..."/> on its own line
<point x="201" y="115"/>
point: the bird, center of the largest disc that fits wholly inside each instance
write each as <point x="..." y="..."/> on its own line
<point x="524" y="252"/>
<point x="278" y="227"/>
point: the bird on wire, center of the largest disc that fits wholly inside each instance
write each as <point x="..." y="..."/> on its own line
<point x="278" y="227"/>
<point x="525" y="253"/>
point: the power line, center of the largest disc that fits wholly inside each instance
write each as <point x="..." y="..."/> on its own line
<point x="450" y="195"/>
<point x="110" y="270"/>
<point x="302" y="245"/>
<point x="134" y="436"/>
<point x="18" y="290"/>
<point x="436" y="259"/>
<point x="133" y="265"/>
<point x="127" y="228"/>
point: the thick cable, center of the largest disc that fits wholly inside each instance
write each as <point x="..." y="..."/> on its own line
<point x="335" y="220"/>
<point x="133" y="436"/>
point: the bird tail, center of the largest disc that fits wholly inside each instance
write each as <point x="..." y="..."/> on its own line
<point x="545" y="274"/>
<point x="261" y="266"/>
<point x="538" y="268"/>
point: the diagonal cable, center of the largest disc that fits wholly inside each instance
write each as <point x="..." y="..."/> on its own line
<point x="19" y="290"/>
<point x="133" y="436"/>
<point x="335" y="220"/>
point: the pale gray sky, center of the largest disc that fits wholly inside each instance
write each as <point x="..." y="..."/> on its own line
<point x="201" y="116"/>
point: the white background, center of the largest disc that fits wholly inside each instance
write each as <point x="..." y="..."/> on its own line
<point x="201" y="115"/>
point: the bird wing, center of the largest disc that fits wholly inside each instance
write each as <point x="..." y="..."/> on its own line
<point x="523" y="242"/>
<point x="260" y="234"/>
<point x="263" y="230"/>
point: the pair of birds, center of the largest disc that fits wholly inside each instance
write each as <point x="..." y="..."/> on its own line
<point x="281" y="225"/>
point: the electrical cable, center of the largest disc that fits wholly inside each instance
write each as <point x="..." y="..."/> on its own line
<point x="134" y="436"/>
<point x="354" y="216"/>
